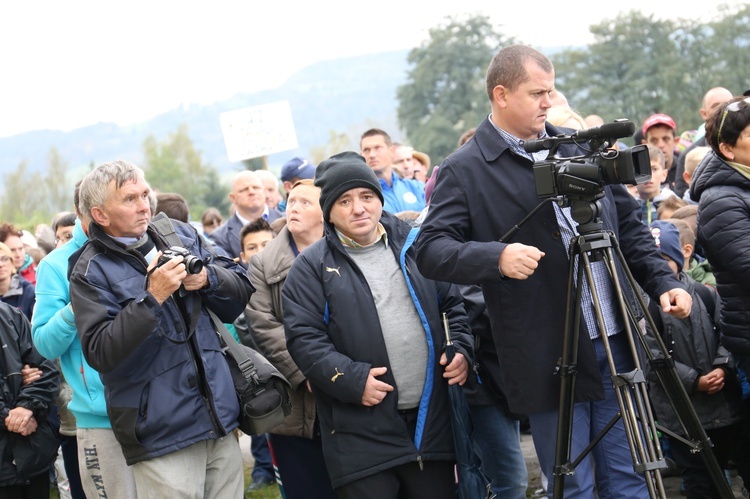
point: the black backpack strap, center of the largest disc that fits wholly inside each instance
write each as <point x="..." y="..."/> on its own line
<point x="163" y="226"/>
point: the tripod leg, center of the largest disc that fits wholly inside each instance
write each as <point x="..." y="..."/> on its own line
<point x="678" y="398"/>
<point x="629" y="390"/>
<point x="567" y="372"/>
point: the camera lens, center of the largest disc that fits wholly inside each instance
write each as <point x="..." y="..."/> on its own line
<point x="193" y="264"/>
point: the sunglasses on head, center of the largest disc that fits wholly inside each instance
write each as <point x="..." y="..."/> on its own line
<point x="731" y="108"/>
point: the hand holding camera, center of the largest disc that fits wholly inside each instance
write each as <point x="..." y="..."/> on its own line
<point x="173" y="268"/>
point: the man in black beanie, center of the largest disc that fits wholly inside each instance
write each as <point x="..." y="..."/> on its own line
<point x="365" y="329"/>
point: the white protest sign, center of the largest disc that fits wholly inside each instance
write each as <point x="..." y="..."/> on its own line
<point x="257" y="131"/>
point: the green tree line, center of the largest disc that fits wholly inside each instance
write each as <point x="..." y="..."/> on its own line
<point x="636" y="66"/>
<point x="171" y="165"/>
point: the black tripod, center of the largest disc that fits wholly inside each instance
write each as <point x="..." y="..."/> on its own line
<point x="595" y="244"/>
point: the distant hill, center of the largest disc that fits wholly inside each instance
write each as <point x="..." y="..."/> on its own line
<point x="344" y="95"/>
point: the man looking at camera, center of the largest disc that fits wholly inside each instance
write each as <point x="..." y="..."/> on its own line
<point x="484" y="189"/>
<point x="365" y="329"/>
<point x="144" y="326"/>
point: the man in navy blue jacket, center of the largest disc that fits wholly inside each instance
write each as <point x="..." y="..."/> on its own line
<point x="144" y="326"/>
<point x="484" y="189"/>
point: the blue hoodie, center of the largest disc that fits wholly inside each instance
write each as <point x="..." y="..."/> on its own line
<point x="55" y="335"/>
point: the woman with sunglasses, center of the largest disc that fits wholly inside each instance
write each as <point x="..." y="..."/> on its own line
<point x="722" y="186"/>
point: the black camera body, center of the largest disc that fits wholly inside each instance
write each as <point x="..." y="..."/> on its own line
<point x="193" y="264"/>
<point x="584" y="177"/>
<point x="587" y="176"/>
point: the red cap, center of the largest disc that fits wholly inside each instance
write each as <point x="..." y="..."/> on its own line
<point x="658" y="119"/>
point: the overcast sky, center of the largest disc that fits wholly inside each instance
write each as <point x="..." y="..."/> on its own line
<point x="67" y="64"/>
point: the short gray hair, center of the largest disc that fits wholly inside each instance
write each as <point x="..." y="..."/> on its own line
<point x="94" y="188"/>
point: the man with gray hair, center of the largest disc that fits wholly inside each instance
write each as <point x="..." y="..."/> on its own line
<point x="144" y="325"/>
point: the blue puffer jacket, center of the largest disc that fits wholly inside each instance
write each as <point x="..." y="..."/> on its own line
<point x="166" y="388"/>
<point x="724" y="233"/>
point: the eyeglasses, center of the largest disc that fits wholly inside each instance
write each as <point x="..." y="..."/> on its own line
<point x="733" y="107"/>
<point x="4" y="259"/>
<point x="65" y="238"/>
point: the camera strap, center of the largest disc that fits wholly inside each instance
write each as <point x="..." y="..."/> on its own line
<point x="164" y="227"/>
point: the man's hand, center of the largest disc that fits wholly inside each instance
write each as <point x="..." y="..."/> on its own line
<point x="712" y="382"/>
<point x="676" y="302"/>
<point x="375" y="391"/>
<point x="21" y="420"/>
<point x="167" y="278"/>
<point x="30" y="374"/>
<point x="457" y="371"/>
<point x="194" y="282"/>
<point x="408" y="215"/>
<point x="519" y="261"/>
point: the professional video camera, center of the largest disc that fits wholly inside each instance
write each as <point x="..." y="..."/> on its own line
<point x="584" y="177"/>
<point x="193" y="264"/>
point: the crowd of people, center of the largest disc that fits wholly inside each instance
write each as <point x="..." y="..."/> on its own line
<point x="346" y="277"/>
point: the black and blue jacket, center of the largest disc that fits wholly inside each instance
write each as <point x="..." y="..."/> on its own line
<point x="166" y="388"/>
<point x="334" y="336"/>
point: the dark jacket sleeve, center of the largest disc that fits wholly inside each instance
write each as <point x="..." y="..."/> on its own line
<point x="305" y="324"/>
<point x="110" y="331"/>
<point x="452" y="305"/>
<point x="444" y="247"/>
<point x="725" y="232"/>
<point x="39" y="396"/>
<point x="228" y="289"/>
<point x="638" y="248"/>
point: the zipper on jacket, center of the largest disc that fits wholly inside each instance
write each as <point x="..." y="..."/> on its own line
<point x="421" y="464"/>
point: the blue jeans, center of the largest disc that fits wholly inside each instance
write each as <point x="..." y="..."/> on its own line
<point x="610" y="462"/>
<point x="497" y="439"/>
<point x="263" y="467"/>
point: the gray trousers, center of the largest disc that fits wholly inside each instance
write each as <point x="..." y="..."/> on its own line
<point x="102" y="465"/>
<point x="211" y="468"/>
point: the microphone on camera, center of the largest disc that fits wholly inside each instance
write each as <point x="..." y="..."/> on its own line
<point x="615" y="130"/>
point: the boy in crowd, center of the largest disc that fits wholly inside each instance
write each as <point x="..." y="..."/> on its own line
<point x="254" y="238"/>
<point x="659" y="130"/>
<point x="692" y="160"/>
<point x="706" y="370"/>
<point x="651" y="193"/>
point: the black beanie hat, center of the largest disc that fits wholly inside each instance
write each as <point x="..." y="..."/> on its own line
<point x="340" y="173"/>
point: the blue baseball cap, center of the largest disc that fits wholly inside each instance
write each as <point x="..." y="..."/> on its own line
<point x="667" y="238"/>
<point x="297" y="167"/>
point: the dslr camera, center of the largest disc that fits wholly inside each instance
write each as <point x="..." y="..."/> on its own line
<point x="193" y="264"/>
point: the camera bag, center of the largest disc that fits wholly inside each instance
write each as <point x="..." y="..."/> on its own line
<point x="263" y="392"/>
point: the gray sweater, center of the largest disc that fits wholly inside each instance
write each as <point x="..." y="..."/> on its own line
<point x="402" y="328"/>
